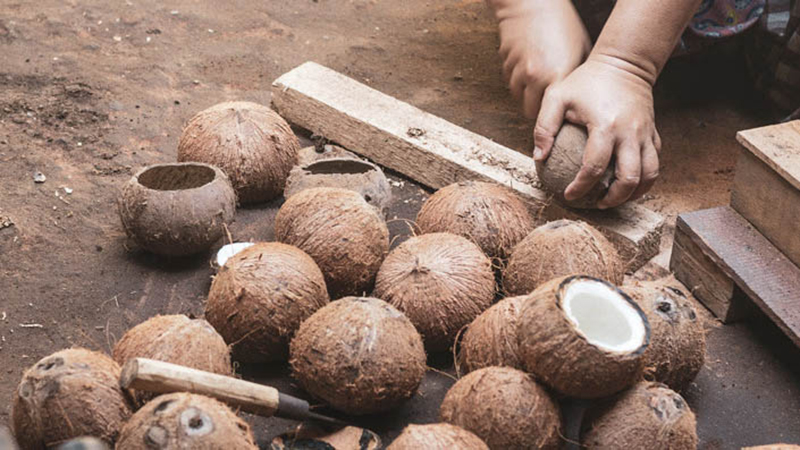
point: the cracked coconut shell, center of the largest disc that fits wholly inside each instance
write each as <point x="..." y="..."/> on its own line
<point x="342" y="233"/>
<point x="557" y="249"/>
<point x="491" y="339"/>
<point x="437" y="436"/>
<point x="249" y="142"/>
<point x="177" y="209"/>
<point x="440" y="281"/>
<point x="360" y="355"/>
<point x="175" y="339"/>
<point x="649" y="416"/>
<point x="69" y="394"/>
<point x="261" y="295"/>
<point x="488" y="214"/>
<point x="505" y="408"/>
<point x="185" y="421"/>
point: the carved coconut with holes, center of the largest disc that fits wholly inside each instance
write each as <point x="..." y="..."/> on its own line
<point x="437" y="436"/>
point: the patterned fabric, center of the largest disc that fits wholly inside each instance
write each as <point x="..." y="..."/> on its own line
<point x="723" y="18"/>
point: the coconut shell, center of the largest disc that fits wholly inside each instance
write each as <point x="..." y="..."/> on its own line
<point x="559" y="356"/>
<point x="185" y="421"/>
<point x="311" y="437"/>
<point x="308" y="155"/>
<point x="505" y="408"/>
<point x="564" y="163"/>
<point x="677" y="345"/>
<point x="261" y="295"/>
<point x="558" y="249"/>
<point x="491" y="339"/>
<point x="177" y="209"/>
<point x="69" y="394"/>
<point x="360" y="355"/>
<point x="83" y="443"/>
<point x="648" y="416"/>
<point x="440" y="281"/>
<point x="345" y="236"/>
<point x="437" y="436"/>
<point x="248" y="141"/>
<point x="490" y="215"/>
<point x="175" y="339"/>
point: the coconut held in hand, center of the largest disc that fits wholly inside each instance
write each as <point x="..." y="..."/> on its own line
<point x="248" y="141"/>
<point x="437" y="436"/>
<point x="491" y="339"/>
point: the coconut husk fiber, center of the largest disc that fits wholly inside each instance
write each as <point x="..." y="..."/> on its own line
<point x="491" y="339"/>
<point x="437" y="436"/>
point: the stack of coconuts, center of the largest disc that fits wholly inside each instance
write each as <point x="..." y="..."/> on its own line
<point x="356" y="321"/>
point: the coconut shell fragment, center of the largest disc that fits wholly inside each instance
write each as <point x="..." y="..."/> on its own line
<point x="360" y="355"/>
<point x="491" y="339"/>
<point x="66" y="395"/>
<point x="437" y="436"/>
<point x="505" y="408"/>
<point x="260" y="296"/>
<point x="310" y="437"/>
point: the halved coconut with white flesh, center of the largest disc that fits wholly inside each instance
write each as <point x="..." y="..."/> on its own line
<point x="228" y="250"/>
<point x="583" y="337"/>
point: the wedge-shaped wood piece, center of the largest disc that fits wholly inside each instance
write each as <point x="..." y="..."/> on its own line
<point x="435" y="152"/>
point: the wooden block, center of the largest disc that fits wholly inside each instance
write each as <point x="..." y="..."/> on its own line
<point x="778" y="146"/>
<point x="435" y="152"/>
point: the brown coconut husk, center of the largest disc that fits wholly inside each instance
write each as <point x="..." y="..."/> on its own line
<point x="492" y="216"/>
<point x="648" y="416"/>
<point x="437" y="436"/>
<point x="491" y="339"/>
<point x="677" y="345"/>
<point x="440" y="281"/>
<point x="69" y="394"/>
<point x="175" y="339"/>
<point x="558" y="249"/>
<point x="552" y="349"/>
<point x="177" y="209"/>
<point x="345" y="236"/>
<point x="261" y="295"/>
<point x="185" y="421"/>
<point x="360" y="355"/>
<point x="505" y="408"/>
<point x="564" y="163"/>
<point x="249" y="142"/>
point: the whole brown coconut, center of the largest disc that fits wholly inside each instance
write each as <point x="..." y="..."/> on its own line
<point x="557" y="249"/>
<point x="177" y="209"/>
<point x="437" y="436"/>
<point x="360" y="355"/>
<point x="505" y="408"/>
<point x="440" y="281"/>
<point x="69" y="394"/>
<point x="185" y="421"/>
<point x="564" y="163"/>
<point x="678" y="345"/>
<point x="583" y="337"/>
<point x="345" y="236"/>
<point x="176" y="339"/>
<point x="491" y="339"/>
<point x="261" y="295"/>
<point x="648" y="416"/>
<point x="488" y="214"/>
<point x="250" y="142"/>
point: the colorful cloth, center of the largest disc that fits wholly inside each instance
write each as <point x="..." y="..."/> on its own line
<point x="724" y="18"/>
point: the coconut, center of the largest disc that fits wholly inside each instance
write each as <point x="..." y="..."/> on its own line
<point x="250" y="142"/>
<point x="227" y="251"/>
<point x="69" y="394"/>
<point x="260" y="296"/>
<point x="437" y="436"/>
<point x="564" y="163"/>
<point x="677" y="346"/>
<point x="441" y="282"/>
<point x="360" y="355"/>
<point x="177" y="209"/>
<point x="180" y="420"/>
<point x="345" y="236"/>
<point x="583" y="337"/>
<point x="649" y="415"/>
<point x="505" y="408"/>
<point x="557" y="249"/>
<point x="491" y="339"/>
<point x="83" y="443"/>
<point x="175" y="339"/>
<point x="488" y="214"/>
<point x="308" y="155"/>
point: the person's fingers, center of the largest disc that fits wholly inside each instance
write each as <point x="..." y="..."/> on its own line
<point x="657" y="141"/>
<point x="628" y="173"/>
<point x="649" y="170"/>
<point x="510" y="62"/>
<point x="532" y="100"/>
<point x="596" y="157"/>
<point x="517" y="81"/>
<point x="548" y="122"/>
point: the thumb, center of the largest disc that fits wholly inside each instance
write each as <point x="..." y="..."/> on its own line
<point x="551" y="116"/>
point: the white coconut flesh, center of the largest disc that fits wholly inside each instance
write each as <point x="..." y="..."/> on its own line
<point x="227" y="251"/>
<point x="603" y="316"/>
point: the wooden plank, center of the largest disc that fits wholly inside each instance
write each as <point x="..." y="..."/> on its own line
<point x="759" y="269"/>
<point x="435" y="152"/>
<point x="778" y="146"/>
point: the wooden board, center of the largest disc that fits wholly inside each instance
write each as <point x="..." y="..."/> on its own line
<point x="754" y="265"/>
<point x="437" y="153"/>
<point x="778" y="146"/>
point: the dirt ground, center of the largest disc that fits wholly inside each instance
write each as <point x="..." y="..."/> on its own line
<point x="91" y="90"/>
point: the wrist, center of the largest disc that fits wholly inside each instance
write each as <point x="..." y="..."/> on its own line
<point x="504" y="9"/>
<point x="634" y="65"/>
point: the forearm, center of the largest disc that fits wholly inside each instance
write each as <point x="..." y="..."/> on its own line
<point x="505" y="8"/>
